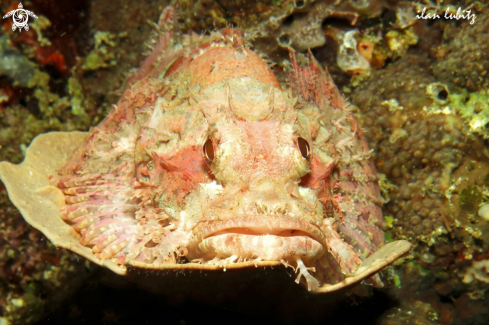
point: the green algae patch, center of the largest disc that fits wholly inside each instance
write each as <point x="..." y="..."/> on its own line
<point x="474" y="110"/>
<point x="470" y="198"/>
<point x="473" y="107"/>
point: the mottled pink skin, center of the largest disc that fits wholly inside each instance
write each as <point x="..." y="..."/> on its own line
<point x="145" y="188"/>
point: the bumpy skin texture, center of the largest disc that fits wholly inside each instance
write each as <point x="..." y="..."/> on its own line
<point x="208" y="159"/>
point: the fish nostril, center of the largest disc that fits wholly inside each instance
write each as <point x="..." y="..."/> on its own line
<point x="275" y="206"/>
<point x="269" y="196"/>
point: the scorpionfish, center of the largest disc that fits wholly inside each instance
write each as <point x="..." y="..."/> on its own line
<point x="212" y="160"/>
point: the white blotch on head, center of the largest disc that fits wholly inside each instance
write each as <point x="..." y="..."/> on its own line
<point x="211" y="189"/>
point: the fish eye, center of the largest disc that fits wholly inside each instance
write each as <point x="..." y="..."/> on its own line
<point x="208" y="150"/>
<point x="304" y="148"/>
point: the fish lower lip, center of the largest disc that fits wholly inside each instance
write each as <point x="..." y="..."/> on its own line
<point x="266" y="237"/>
<point x="265" y="247"/>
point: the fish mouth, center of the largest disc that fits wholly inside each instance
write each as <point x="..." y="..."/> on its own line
<point x="269" y="238"/>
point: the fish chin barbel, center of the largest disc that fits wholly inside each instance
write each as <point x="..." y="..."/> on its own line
<point x="209" y="162"/>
